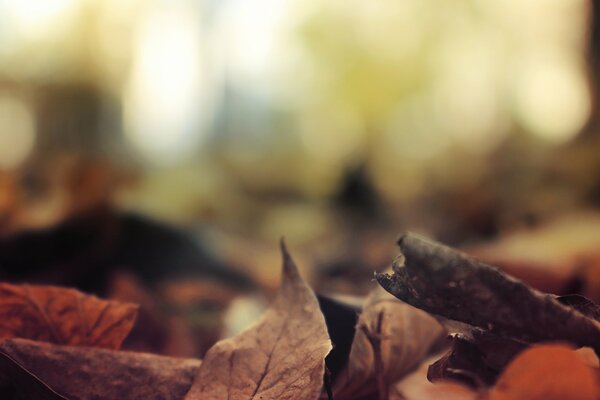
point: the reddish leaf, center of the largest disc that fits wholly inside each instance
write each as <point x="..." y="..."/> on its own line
<point x="281" y="357"/>
<point x="63" y="316"/>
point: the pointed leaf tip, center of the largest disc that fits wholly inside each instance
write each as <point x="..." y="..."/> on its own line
<point x="289" y="266"/>
<point x="281" y="356"/>
<point x="284" y="250"/>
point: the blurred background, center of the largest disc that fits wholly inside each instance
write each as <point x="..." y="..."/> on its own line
<point x="157" y="150"/>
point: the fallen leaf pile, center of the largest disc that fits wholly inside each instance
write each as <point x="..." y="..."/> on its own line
<point x="492" y="318"/>
<point x="508" y="342"/>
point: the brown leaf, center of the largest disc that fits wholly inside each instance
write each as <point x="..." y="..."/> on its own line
<point x="547" y="372"/>
<point x="415" y="386"/>
<point x="464" y="363"/>
<point x="63" y="316"/>
<point x="475" y="359"/>
<point x="446" y="282"/>
<point x="581" y="304"/>
<point x="404" y="336"/>
<point x="281" y="357"/>
<point x="83" y="373"/>
<point x="18" y="383"/>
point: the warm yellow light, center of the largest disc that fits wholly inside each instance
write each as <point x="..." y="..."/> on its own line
<point x="36" y="15"/>
<point x="17" y="132"/>
<point x="253" y="37"/>
<point x="162" y="99"/>
<point x="553" y="99"/>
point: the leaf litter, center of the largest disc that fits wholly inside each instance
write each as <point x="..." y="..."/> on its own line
<point x="508" y="342"/>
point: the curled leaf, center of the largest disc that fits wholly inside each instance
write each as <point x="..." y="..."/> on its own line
<point x="63" y="316"/>
<point x="392" y="340"/>
<point x="67" y="372"/>
<point x="464" y="363"/>
<point x="281" y="357"/>
<point x="446" y="282"/>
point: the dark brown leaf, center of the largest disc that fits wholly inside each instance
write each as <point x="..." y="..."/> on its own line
<point x="83" y="373"/>
<point x="475" y="359"/>
<point x="464" y="363"/>
<point x="63" y="316"/>
<point x="16" y="383"/>
<point x="281" y="357"/>
<point x="581" y="304"/>
<point x="446" y="282"/>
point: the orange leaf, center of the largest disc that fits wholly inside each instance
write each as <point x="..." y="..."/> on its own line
<point x="63" y="316"/>
<point x="547" y="372"/>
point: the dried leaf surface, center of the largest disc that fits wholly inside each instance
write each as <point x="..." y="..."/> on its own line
<point x="464" y="363"/>
<point x="82" y="373"/>
<point x="63" y="316"/>
<point x="475" y="359"/>
<point x="404" y="336"/>
<point x="281" y="357"/>
<point x="449" y="283"/>
<point x="16" y="383"/>
<point x="581" y="304"/>
<point x="547" y="372"/>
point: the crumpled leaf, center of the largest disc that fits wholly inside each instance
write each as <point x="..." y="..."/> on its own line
<point x="392" y="340"/>
<point x="451" y="284"/>
<point x="83" y="373"/>
<point x="415" y="386"/>
<point x="475" y="357"/>
<point x="281" y="357"/>
<point x="63" y="316"/>
<point x="547" y="372"/>
<point x="464" y="363"/>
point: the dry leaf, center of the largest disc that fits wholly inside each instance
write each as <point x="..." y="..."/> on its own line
<point x="392" y="340"/>
<point x="281" y="357"/>
<point x="475" y="359"/>
<point x="416" y="386"/>
<point x="63" y="316"/>
<point x="547" y="372"/>
<point x="446" y="282"/>
<point x="16" y="383"/>
<point x="83" y="373"/>
<point x="581" y="304"/>
<point x="464" y="363"/>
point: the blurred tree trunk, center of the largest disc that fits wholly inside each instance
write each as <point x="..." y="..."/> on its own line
<point x="594" y="66"/>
